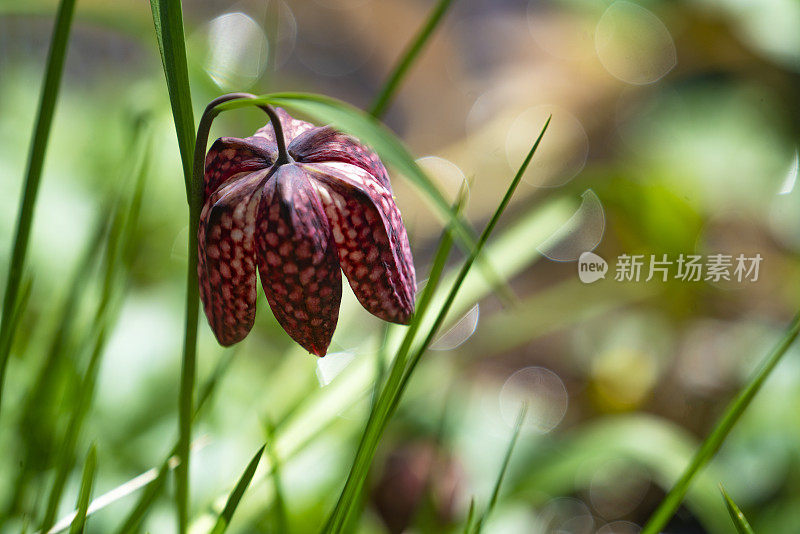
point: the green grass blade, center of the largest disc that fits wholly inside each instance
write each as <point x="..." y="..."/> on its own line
<point x="153" y="490"/>
<point x="401" y="372"/>
<point x="503" y="469"/>
<point x="358" y="472"/>
<point x="738" y="518"/>
<point x="23" y="298"/>
<point x="384" y="98"/>
<point x="462" y="274"/>
<point x="236" y="495"/>
<point x="281" y="522"/>
<point x="715" y="439"/>
<point x="470" y="517"/>
<point x="147" y="498"/>
<point x="69" y="444"/>
<point x="37" y="423"/>
<point x="168" y="20"/>
<point x="87" y="481"/>
<point x="33" y="174"/>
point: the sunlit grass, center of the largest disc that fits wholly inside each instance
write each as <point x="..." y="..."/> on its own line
<point x="58" y="395"/>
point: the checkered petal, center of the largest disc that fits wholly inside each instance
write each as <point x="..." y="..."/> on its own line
<point x="297" y="259"/>
<point x="327" y="144"/>
<point x="370" y="238"/>
<point x="226" y="257"/>
<point x="231" y="158"/>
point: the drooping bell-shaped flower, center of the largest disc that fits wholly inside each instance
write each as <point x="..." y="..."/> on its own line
<point x="302" y="204"/>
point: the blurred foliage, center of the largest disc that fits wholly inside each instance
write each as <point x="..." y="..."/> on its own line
<point x="700" y="158"/>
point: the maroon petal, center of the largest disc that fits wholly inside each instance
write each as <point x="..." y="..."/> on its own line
<point x="291" y="128"/>
<point x="226" y="258"/>
<point x="231" y="158"/>
<point x="370" y="238"/>
<point x="297" y="261"/>
<point x="327" y="144"/>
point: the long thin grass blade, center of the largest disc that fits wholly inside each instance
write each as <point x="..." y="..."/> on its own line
<point x="358" y="472"/>
<point x="33" y="174"/>
<point x="715" y="439"/>
<point x="385" y="97"/>
<point x="122" y="491"/>
<point x="484" y="237"/>
<point x="168" y="20"/>
<point x="77" y="417"/>
<point x="401" y="372"/>
<point x="23" y="298"/>
<point x="738" y="518"/>
<point x="503" y="469"/>
<point x="85" y="494"/>
<point x="470" y="517"/>
<point x="159" y="476"/>
<point x="281" y="521"/>
<point x="237" y="494"/>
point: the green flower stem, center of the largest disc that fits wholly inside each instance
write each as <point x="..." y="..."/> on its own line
<point x="168" y="21"/>
<point x="189" y="367"/>
<point x="188" y="374"/>
<point x="38" y="147"/>
<point x="714" y="441"/>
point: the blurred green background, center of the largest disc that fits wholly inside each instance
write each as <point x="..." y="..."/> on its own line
<point x="674" y="131"/>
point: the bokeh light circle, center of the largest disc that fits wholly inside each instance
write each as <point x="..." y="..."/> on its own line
<point x="633" y="44"/>
<point x="619" y="527"/>
<point x="460" y="332"/>
<point x="446" y="174"/>
<point x="542" y="391"/>
<point x="617" y="487"/>
<point x="562" y="152"/>
<point x="580" y="233"/>
<point x="237" y="51"/>
<point x="281" y="29"/>
<point x="566" y="515"/>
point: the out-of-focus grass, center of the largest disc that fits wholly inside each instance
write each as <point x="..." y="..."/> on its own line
<point x="692" y="162"/>
<point x="87" y="481"/>
<point x="33" y="174"/>
<point x="237" y="494"/>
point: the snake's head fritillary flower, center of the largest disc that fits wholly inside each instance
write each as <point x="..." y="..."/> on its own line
<point x="302" y="204"/>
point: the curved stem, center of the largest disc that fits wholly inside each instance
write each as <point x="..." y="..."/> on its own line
<point x="195" y="191"/>
<point x="201" y="141"/>
<point x="283" y="154"/>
